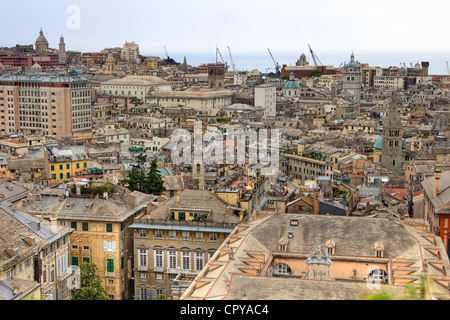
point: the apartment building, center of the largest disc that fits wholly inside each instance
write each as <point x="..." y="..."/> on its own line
<point x="47" y="104"/>
<point x="101" y="233"/>
<point x="34" y="257"/>
<point x="266" y="97"/>
<point x="177" y="239"/>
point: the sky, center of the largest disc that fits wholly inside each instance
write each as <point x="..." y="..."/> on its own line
<point x="334" y="28"/>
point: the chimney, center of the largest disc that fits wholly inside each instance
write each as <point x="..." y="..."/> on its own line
<point x="437" y="177"/>
<point x="12" y="252"/>
<point x="16" y="289"/>
<point x="53" y="225"/>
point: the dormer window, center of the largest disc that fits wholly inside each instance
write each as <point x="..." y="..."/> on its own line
<point x="330" y="246"/>
<point x="378" y="247"/>
<point x="282" y="244"/>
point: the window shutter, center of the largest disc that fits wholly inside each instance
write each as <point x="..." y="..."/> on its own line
<point x="154" y="294"/>
<point x="105" y="245"/>
<point x="148" y="293"/>
<point x="138" y="294"/>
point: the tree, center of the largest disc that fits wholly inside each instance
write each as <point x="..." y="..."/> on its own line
<point x="91" y="284"/>
<point x="136" y="176"/>
<point x="147" y="182"/>
<point x="153" y="181"/>
<point x="316" y="73"/>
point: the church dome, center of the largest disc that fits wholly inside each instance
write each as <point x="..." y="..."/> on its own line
<point x="352" y="64"/>
<point x="378" y="144"/>
<point x="36" y="68"/>
<point x="41" y="39"/>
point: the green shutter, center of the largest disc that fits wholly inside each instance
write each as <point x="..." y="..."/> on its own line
<point x="87" y="260"/>
<point x="109" y="227"/>
<point x="75" y="261"/>
<point x="122" y="263"/>
<point x="110" y="265"/>
<point x="73" y="225"/>
<point x="85" y="226"/>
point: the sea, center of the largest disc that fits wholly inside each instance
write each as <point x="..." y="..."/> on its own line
<point x="265" y="64"/>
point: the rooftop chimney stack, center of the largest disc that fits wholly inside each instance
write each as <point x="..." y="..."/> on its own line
<point x="437" y="178"/>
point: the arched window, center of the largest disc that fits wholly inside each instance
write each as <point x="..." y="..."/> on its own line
<point x="282" y="269"/>
<point x="378" y="276"/>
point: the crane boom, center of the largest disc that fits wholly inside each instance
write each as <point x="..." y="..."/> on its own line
<point x="231" y="60"/>
<point x="165" y="50"/>
<point x="277" y="66"/>
<point x="314" y="57"/>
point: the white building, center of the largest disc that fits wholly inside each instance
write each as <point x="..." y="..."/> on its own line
<point x="130" y="52"/>
<point x="266" y="97"/>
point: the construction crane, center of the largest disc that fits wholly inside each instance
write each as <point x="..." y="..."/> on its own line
<point x="314" y="57"/>
<point x="277" y="66"/>
<point x="218" y="52"/>
<point x="231" y="60"/>
<point x="165" y="50"/>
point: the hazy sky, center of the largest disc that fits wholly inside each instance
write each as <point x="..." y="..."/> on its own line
<point x="247" y="26"/>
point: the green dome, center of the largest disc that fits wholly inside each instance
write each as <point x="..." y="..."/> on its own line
<point x="378" y="144"/>
<point x="352" y="64"/>
<point x="291" y="84"/>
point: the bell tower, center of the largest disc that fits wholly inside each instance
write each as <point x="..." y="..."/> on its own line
<point x="391" y="157"/>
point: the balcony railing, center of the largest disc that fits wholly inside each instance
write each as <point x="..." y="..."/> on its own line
<point x="158" y="269"/>
<point x="142" y="268"/>
<point x="110" y="274"/>
<point x="65" y="275"/>
<point x="161" y="222"/>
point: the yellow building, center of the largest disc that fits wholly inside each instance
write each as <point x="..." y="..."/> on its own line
<point x="34" y="256"/>
<point x="99" y="234"/>
<point x="63" y="164"/>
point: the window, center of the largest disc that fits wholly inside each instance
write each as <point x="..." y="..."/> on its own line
<point x="68" y="166"/>
<point x="145" y="294"/>
<point x="61" y="175"/>
<point x="199" y="236"/>
<point x="186" y="235"/>
<point x="86" y="260"/>
<point x="109" y="227"/>
<point x="109" y="246"/>
<point x="158" y="234"/>
<point x="110" y="281"/>
<point x="158" y="276"/>
<point x="85" y="226"/>
<point x="142" y="233"/>
<point x="110" y="265"/>
<point x="186" y="260"/>
<point x="282" y="247"/>
<point x="86" y="248"/>
<point x="213" y="237"/>
<point x="75" y="261"/>
<point x="172" y="259"/>
<point x="143" y="275"/>
<point x="143" y="257"/>
<point x="158" y="258"/>
<point x="282" y="268"/>
<point x="379" y="253"/>
<point x="172" y="235"/>
<point x="199" y="260"/>
<point x="73" y="225"/>
<point x="74" y="247"/>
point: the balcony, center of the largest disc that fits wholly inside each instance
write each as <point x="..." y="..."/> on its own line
<point x="158" y="269"/>
<point x="142" y="268"/>
<point x="65" y="275"/>
<point x="47" y="288"/>
<point x="110" y="274"/>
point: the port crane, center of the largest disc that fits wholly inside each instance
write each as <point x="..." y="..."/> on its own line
<point x="165" y="50"/>
<point x="218" y="53"/>
<point x="277" y="66"/>
<point x="231" y="60"/>
<point x="314" y="57"/>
